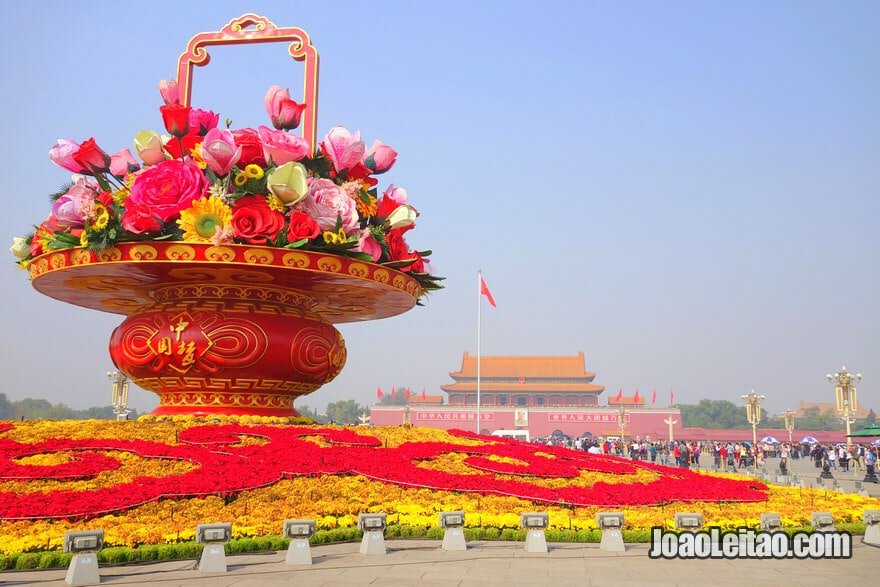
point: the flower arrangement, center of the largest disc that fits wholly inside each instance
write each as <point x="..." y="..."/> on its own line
<point x="203" y="184"/>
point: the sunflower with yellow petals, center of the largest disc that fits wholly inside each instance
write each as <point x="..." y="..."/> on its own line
<point x="102" y="217"/>
<point x="204" y="218"/>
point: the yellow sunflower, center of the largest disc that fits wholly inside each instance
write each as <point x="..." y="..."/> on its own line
<point x="102" y="217"/>
<point x="253" y="171"/>
<point x="205" y="217"/>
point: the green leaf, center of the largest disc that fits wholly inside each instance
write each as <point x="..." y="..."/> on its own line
<point x="102" y="181"/>
<point x="297" y="244"/>
<point x="61" y="191"/>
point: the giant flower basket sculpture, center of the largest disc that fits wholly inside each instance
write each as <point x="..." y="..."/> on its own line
<point x="231" y="252"/>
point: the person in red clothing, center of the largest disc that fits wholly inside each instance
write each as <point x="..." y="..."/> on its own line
<point x="722" y="452"/>
<point x="676" y="452"/>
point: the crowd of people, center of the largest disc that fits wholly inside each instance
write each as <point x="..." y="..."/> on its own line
<point x="723" y="455"/>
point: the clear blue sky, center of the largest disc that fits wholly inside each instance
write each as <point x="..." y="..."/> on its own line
<point x="689" y="192"/>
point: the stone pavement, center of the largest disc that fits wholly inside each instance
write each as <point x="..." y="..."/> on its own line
<point x="423" y="563"/>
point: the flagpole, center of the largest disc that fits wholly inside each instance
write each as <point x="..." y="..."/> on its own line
<point x="479" y="309"/>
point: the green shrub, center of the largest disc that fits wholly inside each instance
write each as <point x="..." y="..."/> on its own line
<point x="27" y="560"/>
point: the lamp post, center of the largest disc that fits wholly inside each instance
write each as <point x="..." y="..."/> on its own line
<point x="847" y="403"/>
<point x="670" y="421"/>
<point x="119" y="394"/>
<point x="753" y="412"/>
<point x="621" y="422"/>
<point x="789" y="422"/>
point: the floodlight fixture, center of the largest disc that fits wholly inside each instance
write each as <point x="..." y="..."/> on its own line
<point x="299" y="531"/>
<point x="535" y="523"/>
<point x="771" y="522"/>
<point x="871" y="518"/>
<point x="373" y="526"/>
<point x="688" y="521"/>
<point x="84" y="545"/>
<point x="611" y="524"/>
<point x="453" y="536"/>
<point x="213" y="536"/>
<point x="822" y="522"/>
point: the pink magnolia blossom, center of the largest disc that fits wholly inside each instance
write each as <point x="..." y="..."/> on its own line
<point x="201" y="121"/>
<point x="62" y="155"/>
<point x="284" y="112"/>
<point x="220" y="151"/>
<point x="326" y="202"/>
<point x="379" y="157"/>
<point x="169" y="91"/>
<point x="344" y="149"/>
<point x="282" y="147"/>
<point x="369" y="245"/>
<point x="123" y="163"/>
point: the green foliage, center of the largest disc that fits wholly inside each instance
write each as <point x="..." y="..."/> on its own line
<point x="870" y="419"/>
<point x="345" y="411"/>
<point x="40" y="409"/>
<point x="399" y="398"/>
<point x="312" y="414"/>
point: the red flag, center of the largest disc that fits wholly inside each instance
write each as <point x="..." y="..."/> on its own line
<point x="654" y="397"/>
<point x="379" y="393"/>
<point x="484" y="290"/>
<point x="392" y="392"/>
<point x="619" y="395"/>
<point x="406" y="392"/>
<point x="423" y="394"/>
<point x="636" y="398"/>
<point x="671" y="397"/>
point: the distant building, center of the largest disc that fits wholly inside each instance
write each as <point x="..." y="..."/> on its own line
<point x="428" y="400"/>
<point x="825" y="408"/>
<point x="627" y="400"/>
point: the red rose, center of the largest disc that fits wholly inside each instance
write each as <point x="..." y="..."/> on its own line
<point x="302" y="226"/>
<point x="139" y="219"/>
<point x="92" y="157"/>
<point x="397" y="246"/>
<point x="251" y="147"/>
<point x="176" y="119"/>
<point x="253" y="221"/>
<point x="418" y="265"/>
<point x="188" y="143"/>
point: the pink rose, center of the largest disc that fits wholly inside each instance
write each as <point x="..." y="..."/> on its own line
<point x="220" y="151"/>
<point x="369" y="245"/>
<point x="168" y="187"/>
<point x="123" y="163"/>
<point x="284" y="112"/>
<point x="345" y="150"/>
<point x="62" y="155"/>
<point x="326" y="202"/>
<point x="282" y="147"/>
<point x="201" y="121"/>
<point x="379" y="158"/>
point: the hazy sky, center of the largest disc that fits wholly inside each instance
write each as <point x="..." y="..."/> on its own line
<point x="689" y="192"/>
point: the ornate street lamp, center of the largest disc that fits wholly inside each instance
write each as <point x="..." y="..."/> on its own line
<point x="119" y="394"/>
<point x="753" y="412"/>
<point x="670" y="420"/>
<point x="789" y="422"/>
<point x="845" y="391"/>
<point x="621" y="422"/>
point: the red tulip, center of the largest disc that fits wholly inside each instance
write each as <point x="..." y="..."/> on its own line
<point x="176" y="119"/>
<point x="284" y="112"/>
<point x="92" y="157"/>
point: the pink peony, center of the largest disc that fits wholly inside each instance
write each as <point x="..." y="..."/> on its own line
<point x="168" y="187"/>
<point x="220" y="151"/>
<point x="345" y="150"/>
<point x="326" y="202"/>
<point x="369" y="245"/>
<point x="379" y="158"/>
<point x="201" y="121"/>
<point x="123" y="163"/>
<point x="282" y="147"/>
<point x="62" y="155"/>
<point x="76" y="206"/>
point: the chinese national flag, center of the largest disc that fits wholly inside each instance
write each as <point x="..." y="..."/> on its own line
<point x="484" y="290"/>
<point x="392" y="392"/>
<point x="406" y="392"/>
<point x="654" y="397"/>
<point x="671" y="397"/>
<point x="619" y="394"/>
<point x="379" y="394"/>
<point x="424" y="396"/>
<point x="636" y="398"/>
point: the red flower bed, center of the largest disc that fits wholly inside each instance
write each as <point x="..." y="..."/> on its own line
<point x="223" y="468"/>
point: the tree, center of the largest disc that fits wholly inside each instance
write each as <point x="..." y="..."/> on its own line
<point x="713" y="414"/>
<point x="40" y="409"/>
<point x="311" y="414"/>
<point x="7" y="411"/>
<point x="871" y="418"/>
<point x="345" y="411"/>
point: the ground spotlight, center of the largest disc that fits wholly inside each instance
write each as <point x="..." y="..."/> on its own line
<point x="535" y="523"/>
<point x="611" y="523"/>
<point x="771" y="522"/>
<point x="688" y="521"/>
<point x="84" y="545"/>
<point x="299" y="532"/>
<point x="871" y="518"/>
<point x="213" y="536"/>
<point x="453" y="537"/>
<point x="822" y="522"/>
<point x="373" y="527"/>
